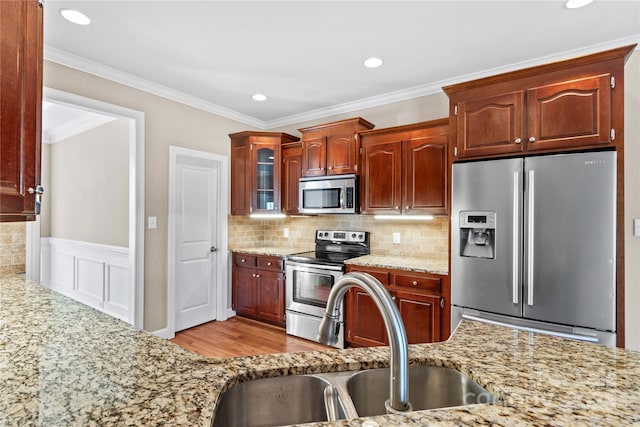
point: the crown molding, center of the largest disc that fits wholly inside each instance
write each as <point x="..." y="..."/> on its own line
<point x="432" y="88"/>
<point x="64" y="58"/>
<point x="85" y="65"/>
<point x="76" y="126"/>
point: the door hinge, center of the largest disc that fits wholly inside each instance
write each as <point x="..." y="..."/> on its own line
<point x="455" y="110"/>
<point x="455" y="151"/>
<point x="360" y="150"/>
<point x="441" y="302"/>
<point x="349" y="334"/>
<point x="355" y="168"/>
<point x="613" y="134"/>
<point x="613" y="82"/>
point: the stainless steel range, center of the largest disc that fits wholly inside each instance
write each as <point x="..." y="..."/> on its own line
<point x="310" y="276"/>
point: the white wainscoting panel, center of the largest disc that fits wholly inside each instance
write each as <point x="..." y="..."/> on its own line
<point x="93" y="274"/>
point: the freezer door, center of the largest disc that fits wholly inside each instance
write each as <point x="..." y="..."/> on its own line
<point x="570" y="236"/>
<point x="488" y="284"/>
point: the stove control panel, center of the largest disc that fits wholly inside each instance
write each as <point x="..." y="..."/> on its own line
<point x="342" y="236"/>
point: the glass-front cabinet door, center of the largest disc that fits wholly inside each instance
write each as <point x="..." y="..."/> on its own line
<point x="267" y="177"/>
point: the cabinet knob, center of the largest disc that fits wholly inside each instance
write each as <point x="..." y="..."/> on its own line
<point x="414" y="283"/>
<point x="393" y="298"/>
<point x="243" y="260"/>
<point x="330" y="167"/>
<point x="257" y="275"/>
<point x="407" y="207"/>
<point x="397" y="207"/>
<point x="321" y="169"/>
<point x="269" y="263"/>
<point x="518" y="140"/>
<point x="253" y="275"/>
<point x="532" y="139"/>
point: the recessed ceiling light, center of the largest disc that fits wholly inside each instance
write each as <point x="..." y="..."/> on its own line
<point x="373" y="62"/>
<point x="75" y="16"/>
<point x="259" y="97"/>
<point x="574" y="4"/>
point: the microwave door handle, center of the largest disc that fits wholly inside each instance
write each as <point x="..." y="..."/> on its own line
<point x="342" y="191"/>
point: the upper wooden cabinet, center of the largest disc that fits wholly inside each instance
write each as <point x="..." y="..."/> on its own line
<point x="255" y="171"/>
<point x="404" y="169"/>
<point x="20" y="108"/>
<point x="332" y="148"/>
<point x="291" y="174"/>
<point x="568" y="105"/>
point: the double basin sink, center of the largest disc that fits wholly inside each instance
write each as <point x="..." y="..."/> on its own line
<point x="299" y="399"/>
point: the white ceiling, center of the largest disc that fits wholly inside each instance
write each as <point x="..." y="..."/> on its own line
<point x="307" y="56"/>
<point x="60" y="121"/>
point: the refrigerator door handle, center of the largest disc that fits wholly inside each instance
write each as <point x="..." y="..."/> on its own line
<point x="530" y="242"/>
<point x="516" y="235"/>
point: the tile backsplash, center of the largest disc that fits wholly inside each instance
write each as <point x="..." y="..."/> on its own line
<point x="12" y="247"/>
<point x="428" y="239"/>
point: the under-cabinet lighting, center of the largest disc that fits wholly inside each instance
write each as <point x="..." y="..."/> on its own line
<point x="75" y="16"/>
<point x="406" y="217"/>
<point x="574" y="4"/>
<point x="267" y="215"/>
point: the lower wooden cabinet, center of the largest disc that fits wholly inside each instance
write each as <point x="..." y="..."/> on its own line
<point x="422" y="301"/>
<point x="258" y="287"/>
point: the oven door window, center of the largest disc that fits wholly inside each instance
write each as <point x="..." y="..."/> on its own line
<point x="321" y="198"/>
<point x="312" y="288"/>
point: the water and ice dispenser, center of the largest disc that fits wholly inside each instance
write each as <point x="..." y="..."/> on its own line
<point x="478" y="234"/>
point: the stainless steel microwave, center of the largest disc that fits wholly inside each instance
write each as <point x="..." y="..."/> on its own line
<point x="337" y="194"/>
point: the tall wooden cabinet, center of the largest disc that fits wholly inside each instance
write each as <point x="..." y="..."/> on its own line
<point x="255" y="171"/>
<point x="404" y="169"/>
<point x="564" y="106"/>
<point x="332" y="148"/>
<point x="20" y="108"/>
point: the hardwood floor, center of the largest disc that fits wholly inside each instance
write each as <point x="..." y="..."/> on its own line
<point x="239" y="336"/>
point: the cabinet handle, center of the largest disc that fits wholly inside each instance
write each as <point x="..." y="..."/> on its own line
<point x="518" y="140"/>
<point x="414" y="283"/>
<point x="532" y="139"/>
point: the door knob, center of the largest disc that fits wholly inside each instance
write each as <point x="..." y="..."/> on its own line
<point x="214" y="249"/>
<point x="37" y="190"/>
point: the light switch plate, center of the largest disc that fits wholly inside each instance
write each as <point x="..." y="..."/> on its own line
<point x="636" y="227"/>
<point x="396" y="237"/>
<point x="152" y="222"/>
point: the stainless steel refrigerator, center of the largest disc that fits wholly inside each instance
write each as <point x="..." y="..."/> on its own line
<point x="533" y="244"/>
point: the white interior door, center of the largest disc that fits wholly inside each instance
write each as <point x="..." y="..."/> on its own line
<point x="196" y="187"/>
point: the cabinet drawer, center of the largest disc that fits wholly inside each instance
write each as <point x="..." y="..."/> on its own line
<point x="414" y="281"/>
<point x="382" y="276"/>
<point x="271" y="263"/>
<point x="243" y="260"/>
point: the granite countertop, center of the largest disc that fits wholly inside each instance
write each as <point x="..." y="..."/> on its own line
<point x="424" y="265"/>
<point x="270" y="250"/>
<point x="62" y="363"/>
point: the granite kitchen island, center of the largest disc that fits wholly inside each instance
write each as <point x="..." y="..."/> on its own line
<point x="62" y="363"/>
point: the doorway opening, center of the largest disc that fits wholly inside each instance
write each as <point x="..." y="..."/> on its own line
<point x="109" y="277"/>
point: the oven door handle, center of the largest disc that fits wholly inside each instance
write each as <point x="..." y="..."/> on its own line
<point x="313" y="267"/>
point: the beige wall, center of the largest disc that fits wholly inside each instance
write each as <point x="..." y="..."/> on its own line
<point x="170" y="123"/>
<point x="12" y="247"/>
<point x="88" y="192"/>
<point x="166" y="123"/>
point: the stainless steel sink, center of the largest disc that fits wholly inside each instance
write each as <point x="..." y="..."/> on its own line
<point x="299" y="399"/>
<point x="295" y="399"/>
<point x="430" y="387"/>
